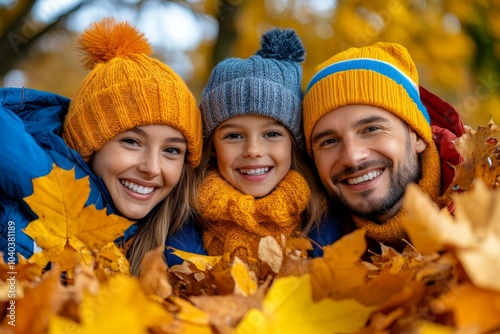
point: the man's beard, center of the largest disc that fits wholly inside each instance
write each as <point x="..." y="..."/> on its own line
<point x="408" y="172"/>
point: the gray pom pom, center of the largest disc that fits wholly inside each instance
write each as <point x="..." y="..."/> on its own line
<point x="281" y="44"/>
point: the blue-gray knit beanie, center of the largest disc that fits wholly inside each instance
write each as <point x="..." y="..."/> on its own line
<point x="267" y="84"/>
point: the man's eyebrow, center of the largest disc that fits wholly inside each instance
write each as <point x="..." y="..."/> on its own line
<point x="361" y="122"/>
<point x="322" y="134"/>
<point x="369" y="120"/>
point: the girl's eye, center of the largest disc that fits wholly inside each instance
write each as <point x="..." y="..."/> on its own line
<point x="273" y="134"/>
<point x="232" y="136"/>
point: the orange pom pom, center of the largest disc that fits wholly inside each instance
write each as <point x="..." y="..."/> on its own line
<point x="107" y="39"/>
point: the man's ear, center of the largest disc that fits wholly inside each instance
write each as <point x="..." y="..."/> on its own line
<point x="420" y="144"/>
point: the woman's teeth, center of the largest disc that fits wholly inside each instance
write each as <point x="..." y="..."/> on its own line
<point x="138" y="189"/>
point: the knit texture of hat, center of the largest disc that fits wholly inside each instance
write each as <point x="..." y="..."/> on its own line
<point x="267" y="84"/>
<point x="126" y="88"/>
<point x="382" y="75"/>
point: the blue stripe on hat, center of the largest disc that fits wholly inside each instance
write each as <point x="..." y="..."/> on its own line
<point x="382" y="68"/>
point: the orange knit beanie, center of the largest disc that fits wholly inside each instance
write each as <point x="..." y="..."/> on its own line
<point x="382" y="75"/>
<point x="126" y="88"/>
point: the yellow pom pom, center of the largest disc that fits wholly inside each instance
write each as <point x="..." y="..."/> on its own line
<point x="107" y="39"/>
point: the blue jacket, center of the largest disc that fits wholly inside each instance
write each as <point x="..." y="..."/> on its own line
<point x="30" y="140"/>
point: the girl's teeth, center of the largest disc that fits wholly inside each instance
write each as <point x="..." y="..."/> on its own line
<point x="363" y="178"/>
<point x="138" y="189"/>
<point x="254" y="171"/>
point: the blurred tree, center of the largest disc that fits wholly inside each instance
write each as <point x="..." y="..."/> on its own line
<point x="456" y="44"/>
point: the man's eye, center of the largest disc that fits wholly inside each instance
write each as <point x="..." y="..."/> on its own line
<point x="372" y="128"/>
<point x="328" y="141"/>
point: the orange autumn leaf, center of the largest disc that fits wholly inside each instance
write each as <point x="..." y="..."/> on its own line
<point x="32" y="312"/>
<point x="429" y="228"/>
<point x="473" y="234"/>
<point x="473" y="307"/>
<point x="153" y="276"/>
<point x="66" y="230"/>
<point x="340" y="270"/>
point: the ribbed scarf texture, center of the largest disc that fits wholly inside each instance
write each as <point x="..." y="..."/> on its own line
<point x="391" y="233"/>
<point x="233" y="219"/>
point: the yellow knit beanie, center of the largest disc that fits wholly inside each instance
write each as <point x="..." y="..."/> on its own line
<point x="126" y="88"/>
<point x="381" y="75"/>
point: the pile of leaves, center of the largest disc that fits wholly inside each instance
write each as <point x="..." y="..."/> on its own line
<point x="446" y="281"/>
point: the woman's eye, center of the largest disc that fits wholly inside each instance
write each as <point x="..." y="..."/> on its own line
<point x="130" y="141"/>
<point x="173" y="150"/>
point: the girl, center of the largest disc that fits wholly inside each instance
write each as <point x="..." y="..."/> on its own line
<point x="255" y="181"/>
<point x="133" y="127"/>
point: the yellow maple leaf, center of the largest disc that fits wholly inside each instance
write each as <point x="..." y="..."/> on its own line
<point x="244" y="283"/>
<point x="66" y="230"/>
<point x="289" y="308"/>
<point x="119" y="307"/>
<point x="202" y="262"/>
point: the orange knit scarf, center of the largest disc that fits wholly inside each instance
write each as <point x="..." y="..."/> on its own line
<point x="234" y="221"/>
<point x="391" y="232"/>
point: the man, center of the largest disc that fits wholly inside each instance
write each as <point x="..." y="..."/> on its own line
<point x="370" y="135"/>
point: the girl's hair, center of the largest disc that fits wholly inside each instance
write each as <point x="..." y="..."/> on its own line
<point x="316" y="207"/>
<point x="166" y="218"/>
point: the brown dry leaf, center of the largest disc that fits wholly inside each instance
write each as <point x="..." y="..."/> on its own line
<point x="225" y="312"/>
<point x="473" y="307"/>
<point x="384" y="286"/>
<point x="66" y="230"/>
<point x="339" y="272"/>
<point x="271" y="252"/>
<point x="32" y="312"/>
<point x="480" y="152"/>
<point x="190" y="313"/>
<point x="153" y="276"/>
